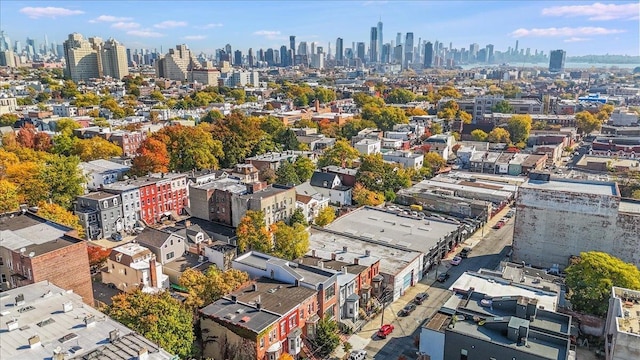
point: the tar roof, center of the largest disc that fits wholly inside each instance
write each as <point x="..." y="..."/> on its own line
<point x="33" y="233"/>
<point x="392" y="260"/>
<point x="98" y="195"/>
<point x="274" y="296"/>
<point x="239" y="314"/>
<point x="43" y="314"/>
<point x="390" y="228"/>
<point x="575" y="186"/>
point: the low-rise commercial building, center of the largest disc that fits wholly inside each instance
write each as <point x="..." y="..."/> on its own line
<point x="622" y="333"/>
<point x="408" y="159"/>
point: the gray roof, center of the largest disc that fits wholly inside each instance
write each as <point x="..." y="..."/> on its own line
<point x="153" y="237"/>
<point x="574" y="186"/>
<point x="32" y="233"/>
<point x="240" y="314"/>
<point x="323" y="179"/>
<point x="44" y="301"/>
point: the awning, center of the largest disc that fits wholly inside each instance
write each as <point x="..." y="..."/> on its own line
<point x="275" y="347"/>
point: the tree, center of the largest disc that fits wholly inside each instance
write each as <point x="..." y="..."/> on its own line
<point x="65" y="126"/>
<point x="478" y="135"/>
<point x="389" y="116"/>
<point x="253" y="234"/>
<point x="591" y="278"/>
<point x="327" y="338"/>
<point x="152" y="157"/>
<point x="298" y="218"/>
<point x="63" y="178"/>
<point x="325" y="216"/>
<point x="499" y="135"/>
<point x="290" y="242"/>
<point x="84" y="100"/>
<point x="212" y="116"/>
<point x="95" y="148"/>
<point x="268" y="175"/>
<point x="449" y="92"/>
<point x="400" y="96"/>
<point x="205" y="288"/>
<point x="69" y="89"/>
<point x="158" y="317"/>
<point x="286" y="174"/>
<point x="156" y="95"/>
<point x="304" y="168"/>
<point x="434" y="162"/>
<point x="8" y="119"/>
<point x="289" y="140"/>
<point x="502" y="107"/>
<point x="376" y="175"/>
<point x="190" y="147"/>
<point x="9" y="196"/>
<point x="587" y="122"/>
<point x="519" y="127"/>
<point x="60" y="215"/>
<point x="97" y="256"/>
<point x="361" y="99"/>
<point x="352" y="127"/>
<point x="363" y="196"/>
<point x="346" y="347"/>
<point x="341" y="154"/>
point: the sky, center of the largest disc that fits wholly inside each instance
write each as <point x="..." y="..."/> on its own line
<point x="581" y="28"/>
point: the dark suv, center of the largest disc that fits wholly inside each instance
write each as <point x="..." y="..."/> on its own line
<point x="465" y="252"/>
<point x="420" y="298"/>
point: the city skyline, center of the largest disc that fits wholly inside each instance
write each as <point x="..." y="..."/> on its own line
<point x="580" y="28"/>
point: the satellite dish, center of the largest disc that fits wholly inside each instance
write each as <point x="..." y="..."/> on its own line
<point x="32" y="254"/>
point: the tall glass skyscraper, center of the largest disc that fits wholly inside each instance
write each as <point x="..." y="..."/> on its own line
<point x="373" y="45"/>
<point x="380" y="42"/>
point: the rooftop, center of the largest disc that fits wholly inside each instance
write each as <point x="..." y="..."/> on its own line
<point x="61" y="320"/>
<point x="387" y="228"/>
<point x="239" y="314"/>
<point x="574" y="186"/>
<point x="226" y="184"/>
<point x="629" y="206"/>
<point x="628" y="318"/>
<point x="153" y="237"/>
<point x="392" y="259"/>
<point x="274" y="295"/>
<point x="33" y="233"/>
<point x="98" y="195"/>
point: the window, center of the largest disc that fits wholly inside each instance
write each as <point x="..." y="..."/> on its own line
<point x="283" y="329"/>
<point x="170" y="255"/>
<point x="330" y="292"/>
<point x="463" y="354"/>
<point x="115" y="201"/>
<point x="261" y="342"/>
<point x="105" y="204"/>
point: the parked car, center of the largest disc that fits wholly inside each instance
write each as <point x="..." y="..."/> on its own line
<point x="408" y="309"/>
<point x="442" y="277"/>
<point x="358" y="355"/>
<point x="456" y="260"/>
<point x="385" y="330"/>
<point x="498" y="225"/>
<point x="420" y="298"/>
<point x="465" y="252"/>
<point x="116" y="236"/>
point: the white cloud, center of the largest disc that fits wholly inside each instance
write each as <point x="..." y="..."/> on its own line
<point x="170" y="24"/>
<point x="48" y="12"/>
<point x="110" y="18"/>
<point x="564" y="31"/>
<point x="145" y="33"/>
<point x="194" y="37"/>
<point x="596" y="11"/>
<point x="269" y="34"/>
<point x="210" y="26"/>
<point x="125" y="25"/>
<point x="576" y="39"/>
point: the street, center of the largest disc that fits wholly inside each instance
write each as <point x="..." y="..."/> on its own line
<point x="486" y="253"/>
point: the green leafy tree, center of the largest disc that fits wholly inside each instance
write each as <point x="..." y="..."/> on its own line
<point x="587" y="122"/>
<point x="298" y="218"/>
<point x="388" y="117"/>
<point x="351" y="128"/>
<point x="289" y="140"/>
<point x="591" y="278"/>
<point x="324" y="95"/>
<point x="374" y="174"/>
<point x="502" y="107"/>
<point x="290" y="242"/>
<point x="400" y="96"/>
<point x="478" y="135"/>
<point x="158" y="317"/>
<point x="519" y="127"/>
<point x="286" y="174"/>
<point x="8" y="119"/>
<point x="327" y="338"/>
<point x="213" y="116"/>
<point x="304" y="168"/>
<point x="156" y="95"/>
<point x="205" y="288"/>
<point x="325" y="216"/>
<point x="240" y="136"/>
<point x="434" y="162"/>
<point x="253" y="234"/>
<point x="69" y="90"/>
<point x="361" y="99"/>
<point x="363" y="196"/>
<point x="449" y="91"/>
<point x="84" y="100"/>
<point x="9" y="196"/>
<point x="63" y="178"/>
<point x="190" y="147"/>
<point x="499" y="135"/>
<point x="341" y="154"/>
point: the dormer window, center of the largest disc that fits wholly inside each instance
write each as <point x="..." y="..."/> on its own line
<point x="115" y="201"/>
<point x="105" y="204"/>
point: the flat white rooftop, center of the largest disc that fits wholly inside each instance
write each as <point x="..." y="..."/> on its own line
<point x="566" y="185"/>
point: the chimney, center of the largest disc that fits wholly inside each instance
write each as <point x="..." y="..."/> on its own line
<point x="34" y="341"/>
<point x="254" y="287"/>
<point x="143" y="354"/>
<point x="356" y="261"/>
<point x="344" y="269"/>
<point x="114" y="335"/>
<point x="68" y="306"/>
<point x="313" y="253"/>
<point x="234" y="298"/>
<point x="333" y="256"/>
<point x="153" y="274"/>
<point x="344" y="249"/>
<point x="317" y="105"/>
<point x="187" y="223"/>
<point x="367" y="252"/>
<point x="89" y="321"/>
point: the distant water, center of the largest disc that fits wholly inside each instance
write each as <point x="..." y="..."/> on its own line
<point x="568" y="65"/>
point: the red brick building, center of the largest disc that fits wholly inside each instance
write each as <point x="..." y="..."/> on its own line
<point x="34" y="249"/>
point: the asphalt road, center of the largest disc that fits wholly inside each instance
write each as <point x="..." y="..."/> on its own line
<point x="487" y="253"/>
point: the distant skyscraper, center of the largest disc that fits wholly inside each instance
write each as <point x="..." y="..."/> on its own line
<point x="360" y="53"/>
<point x="398" y="39"/>
<point x="5" y="42"/>
<point x="373" y="45"/>
<point x="237" y="58"/>
<point x="482" y="55"/>
<point x="292" y="43"/>
<point x="284" y="59"/>
<point x="473" y="51"/>
<point x="81" y="58"/>
<point x="516" y="49"/>
<point x="408" y="49"/>
<point x="227" y="49"/>
<point x="113" y="57"/>
<point x="556" y="60"/>
<point x="270" y="57"/>
<point x="397" y="55"/>
<point x="385" y="53"/>
<point x="250" y="59"/>
<point x="490" y="57"/>
<point x="428" y="55"/>
<point x="339" y="51"/>
<point x="380" y="42"/>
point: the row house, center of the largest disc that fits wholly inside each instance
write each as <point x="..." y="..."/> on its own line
<point x="100" y="214"/>
<point x="162" y="195"/>
<point x="329" y="185"/>
<point x="128" y="141"/>
<point x="262" y="321"/>
<point x="489" y="162"/>
<point x="310" y="205"/>
<point x="102" y="172"/>
<point x="323" y="281"/>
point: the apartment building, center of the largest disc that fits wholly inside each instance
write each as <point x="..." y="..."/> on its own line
<point x="408" y="159"/>
<point x="128" y="141"/>
<point x="277" y="203"/>
<point x="34" y="249"/>
<point x="622" y="330"/>
<point x="100" y="214"/>
<point x="130" y="199"/>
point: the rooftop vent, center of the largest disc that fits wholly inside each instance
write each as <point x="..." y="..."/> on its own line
<point x="34" y="341"/>
<point x="19" y="300"/>
<point x="114" y="335"/>
<point x="89" y="320"/>
<point x="68" y="306"/>
<point x="12" y="324"/>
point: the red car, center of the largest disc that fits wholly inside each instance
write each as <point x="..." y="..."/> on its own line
<point x="385" y="330"/>
<point x="498" y="225"/>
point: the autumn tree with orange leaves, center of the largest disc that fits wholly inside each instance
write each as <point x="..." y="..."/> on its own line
<point x="152" y="157"/>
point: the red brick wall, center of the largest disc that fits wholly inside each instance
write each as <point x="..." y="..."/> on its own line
<point x="67" y="268"/>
